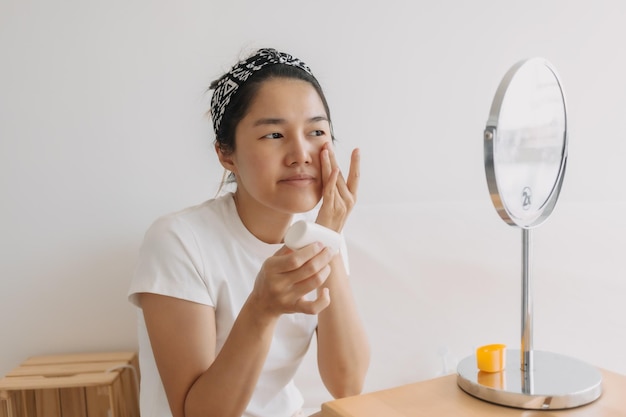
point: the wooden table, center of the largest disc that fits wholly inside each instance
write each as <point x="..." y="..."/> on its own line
<point x="441" y="397"/>
<point x="72" y="385"/>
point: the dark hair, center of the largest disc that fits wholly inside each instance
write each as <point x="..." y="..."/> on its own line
<point x="240" y="102"/>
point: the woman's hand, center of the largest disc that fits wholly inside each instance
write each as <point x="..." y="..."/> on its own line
<point x="287" y="276"/>
<point x="338" y="194"/>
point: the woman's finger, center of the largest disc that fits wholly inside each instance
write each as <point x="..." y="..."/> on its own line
<point x="355" y="171"/>
<point x="330" y="186"/>
<point x="347" y="189"/>
<point x="326" y="165"/>
<point x="334" y="164"/>
<point x="316" y="306"/>
<point x="312" y="282"/>
<point x="286" y="260"/>
<point x="340" y="184"/>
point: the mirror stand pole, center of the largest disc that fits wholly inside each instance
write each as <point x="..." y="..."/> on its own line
<point x="526" y="359"/>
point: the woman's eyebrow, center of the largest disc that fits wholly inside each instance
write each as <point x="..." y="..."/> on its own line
<point x="269" y="121"/>
<point x="318" y="119"/>
<point x="278" y="121"/>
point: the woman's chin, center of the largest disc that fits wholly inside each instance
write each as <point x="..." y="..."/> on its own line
<point x="303" y="205"/>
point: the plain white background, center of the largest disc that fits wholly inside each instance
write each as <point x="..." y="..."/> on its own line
<point x="103" y="128"/>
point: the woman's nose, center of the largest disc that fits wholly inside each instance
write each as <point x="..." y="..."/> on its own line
<point x="300" y="151"/>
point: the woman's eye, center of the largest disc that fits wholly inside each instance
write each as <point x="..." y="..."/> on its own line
<point x="274" y="135"/>
<point x="318" y="133"/>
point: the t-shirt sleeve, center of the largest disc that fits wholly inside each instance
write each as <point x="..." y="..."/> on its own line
<point x="170" y="263"/>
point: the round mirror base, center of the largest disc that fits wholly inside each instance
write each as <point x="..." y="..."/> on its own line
<point x="555" y="382"/>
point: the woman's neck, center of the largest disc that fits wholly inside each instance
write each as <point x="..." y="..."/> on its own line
<point x="264" y="223"/>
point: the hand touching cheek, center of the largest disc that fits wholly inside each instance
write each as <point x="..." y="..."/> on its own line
<point x="338" y="193"/>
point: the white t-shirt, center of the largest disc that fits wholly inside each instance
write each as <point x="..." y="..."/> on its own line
<point x="206" y="255"/>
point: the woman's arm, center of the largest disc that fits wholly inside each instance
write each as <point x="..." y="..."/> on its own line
<point x="182" y="334"/>
<point x="343" y="349"/>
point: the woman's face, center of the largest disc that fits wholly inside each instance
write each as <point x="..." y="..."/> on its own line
<point x="277" y="148"/>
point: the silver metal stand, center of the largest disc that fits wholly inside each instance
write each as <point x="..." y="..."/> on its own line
<point x="556" y="382"/>
<point x="527" y="305"/>
<point x="532" y="379"/>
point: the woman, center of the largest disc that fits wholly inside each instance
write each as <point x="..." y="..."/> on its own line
<point x="226" y="310"/>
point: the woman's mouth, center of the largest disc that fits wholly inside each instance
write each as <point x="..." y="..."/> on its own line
<point x="300" y="180"/>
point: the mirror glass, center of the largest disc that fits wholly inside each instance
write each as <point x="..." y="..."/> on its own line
<point x="526" y="143"/>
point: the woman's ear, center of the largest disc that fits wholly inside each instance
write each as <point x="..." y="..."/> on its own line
<point x="226" y="159"/>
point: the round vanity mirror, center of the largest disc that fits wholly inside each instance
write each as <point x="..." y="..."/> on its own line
<point x="525" y="148"/>
<point x="526" y="143"/>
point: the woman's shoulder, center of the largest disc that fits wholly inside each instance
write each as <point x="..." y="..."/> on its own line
<point x="214" y="208"/>
<point x="201" y="218"/>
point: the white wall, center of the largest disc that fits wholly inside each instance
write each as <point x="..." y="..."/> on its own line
<point x="102" y="129"/>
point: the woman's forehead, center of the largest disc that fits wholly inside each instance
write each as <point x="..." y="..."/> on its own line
<point x="286" y="97"/>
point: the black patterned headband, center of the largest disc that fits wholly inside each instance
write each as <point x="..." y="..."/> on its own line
<point x="227" y="86"/>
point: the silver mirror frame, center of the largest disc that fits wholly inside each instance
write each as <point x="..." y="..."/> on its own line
<point x="490" y="140"/>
